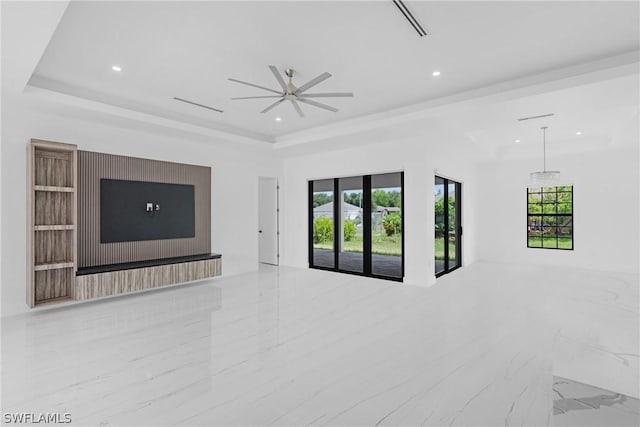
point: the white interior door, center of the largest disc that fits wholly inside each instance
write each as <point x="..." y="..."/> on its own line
<point x="268" y="220"/>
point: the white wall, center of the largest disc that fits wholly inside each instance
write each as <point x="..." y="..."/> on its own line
<point x="494" y="208"/>
<point x="235" y="171"/>
<point x="418" y="158"/>
<point x="605" y="211"/>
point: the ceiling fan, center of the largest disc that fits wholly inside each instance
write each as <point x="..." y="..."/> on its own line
<point x="295" y="94"/>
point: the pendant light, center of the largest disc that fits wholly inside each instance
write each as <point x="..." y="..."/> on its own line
<point x="544" y="178"/>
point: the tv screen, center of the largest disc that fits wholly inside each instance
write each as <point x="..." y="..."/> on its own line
<point x="136" y="210"/>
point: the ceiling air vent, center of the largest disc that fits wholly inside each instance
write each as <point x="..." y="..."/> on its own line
<point x="197" y="105"/>
<point x="412" y="20"/>
<point x="535" y="117"/>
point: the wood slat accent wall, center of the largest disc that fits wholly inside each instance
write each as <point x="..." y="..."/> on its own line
<point x="94" y="166"/>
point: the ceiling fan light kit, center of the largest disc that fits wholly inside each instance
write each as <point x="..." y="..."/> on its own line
<point x="292" y="93"/>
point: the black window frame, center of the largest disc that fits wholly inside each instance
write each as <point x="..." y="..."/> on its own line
<point x="555" y="216"/>
<point x="458" y="225"/>
<point x="367" y="242"/>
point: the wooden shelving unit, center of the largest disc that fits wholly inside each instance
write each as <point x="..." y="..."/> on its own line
<point x="54" y="189"/>
<point x="52" y="227"/>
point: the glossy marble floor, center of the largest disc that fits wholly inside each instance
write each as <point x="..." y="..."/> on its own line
<point x="308" y="347"/>
<point x="577" y="404"/>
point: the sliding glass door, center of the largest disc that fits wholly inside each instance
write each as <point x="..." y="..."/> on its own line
<point x="386" y="225"/>
<point x="350" y="238"/>
<point x="322" y="253"/>
<point x="447" y="227"/>
<point x="356" y="225"/>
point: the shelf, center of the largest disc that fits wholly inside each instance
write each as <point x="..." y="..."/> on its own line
<point x="52" y="204"/>
<point x="53" y="300"/>
<point x="54" y="189"/>
<point x="53" y="266"/>
<point x="54" y="227"/>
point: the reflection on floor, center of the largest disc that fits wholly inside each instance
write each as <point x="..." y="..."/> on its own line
<point x="382" y="265"/>
<point x="440" y="265"/>
<point x="298" y="346"/>
<point x="577" y="404"/>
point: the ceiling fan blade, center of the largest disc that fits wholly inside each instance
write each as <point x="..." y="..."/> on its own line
<point x="279" y="78"/>
<point x="272" y="105"/>
<point x="317" y="104"/>
<point x="297" y="107"/>
<point x="327" y="95"/>
<point x="259" y="87"/>
<point x="311" y="83"/>
<point x="256" y="97"/>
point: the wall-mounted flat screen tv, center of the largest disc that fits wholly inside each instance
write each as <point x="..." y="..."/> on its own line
<point x="136" y="210"/>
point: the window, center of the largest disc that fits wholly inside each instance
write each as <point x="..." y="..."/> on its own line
<point x="550" y="217"/>
<point x="356" y="225"/>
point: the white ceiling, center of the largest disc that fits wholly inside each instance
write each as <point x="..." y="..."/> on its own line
<point x="190" y="49"/>
<point x="606" y="113"/>
<point x="599" y="112"/>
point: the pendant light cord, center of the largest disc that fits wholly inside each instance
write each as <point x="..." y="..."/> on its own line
<point x="544" y="148"/>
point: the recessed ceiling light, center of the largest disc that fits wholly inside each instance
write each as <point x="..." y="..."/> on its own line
<point x="116" y="68"/>
<point x="517" y="141"/>
<point x="278" y="119"/>
<point x="435" y="73"/>
<point x="578" y="133"/>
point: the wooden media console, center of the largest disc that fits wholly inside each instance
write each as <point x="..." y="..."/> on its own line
<point x="118" y="279"/>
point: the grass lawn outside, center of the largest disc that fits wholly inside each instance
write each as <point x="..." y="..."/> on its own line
<point x="381" y="245"/>
<point x="439" y="249"/>
<point x="550" y="242"/>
